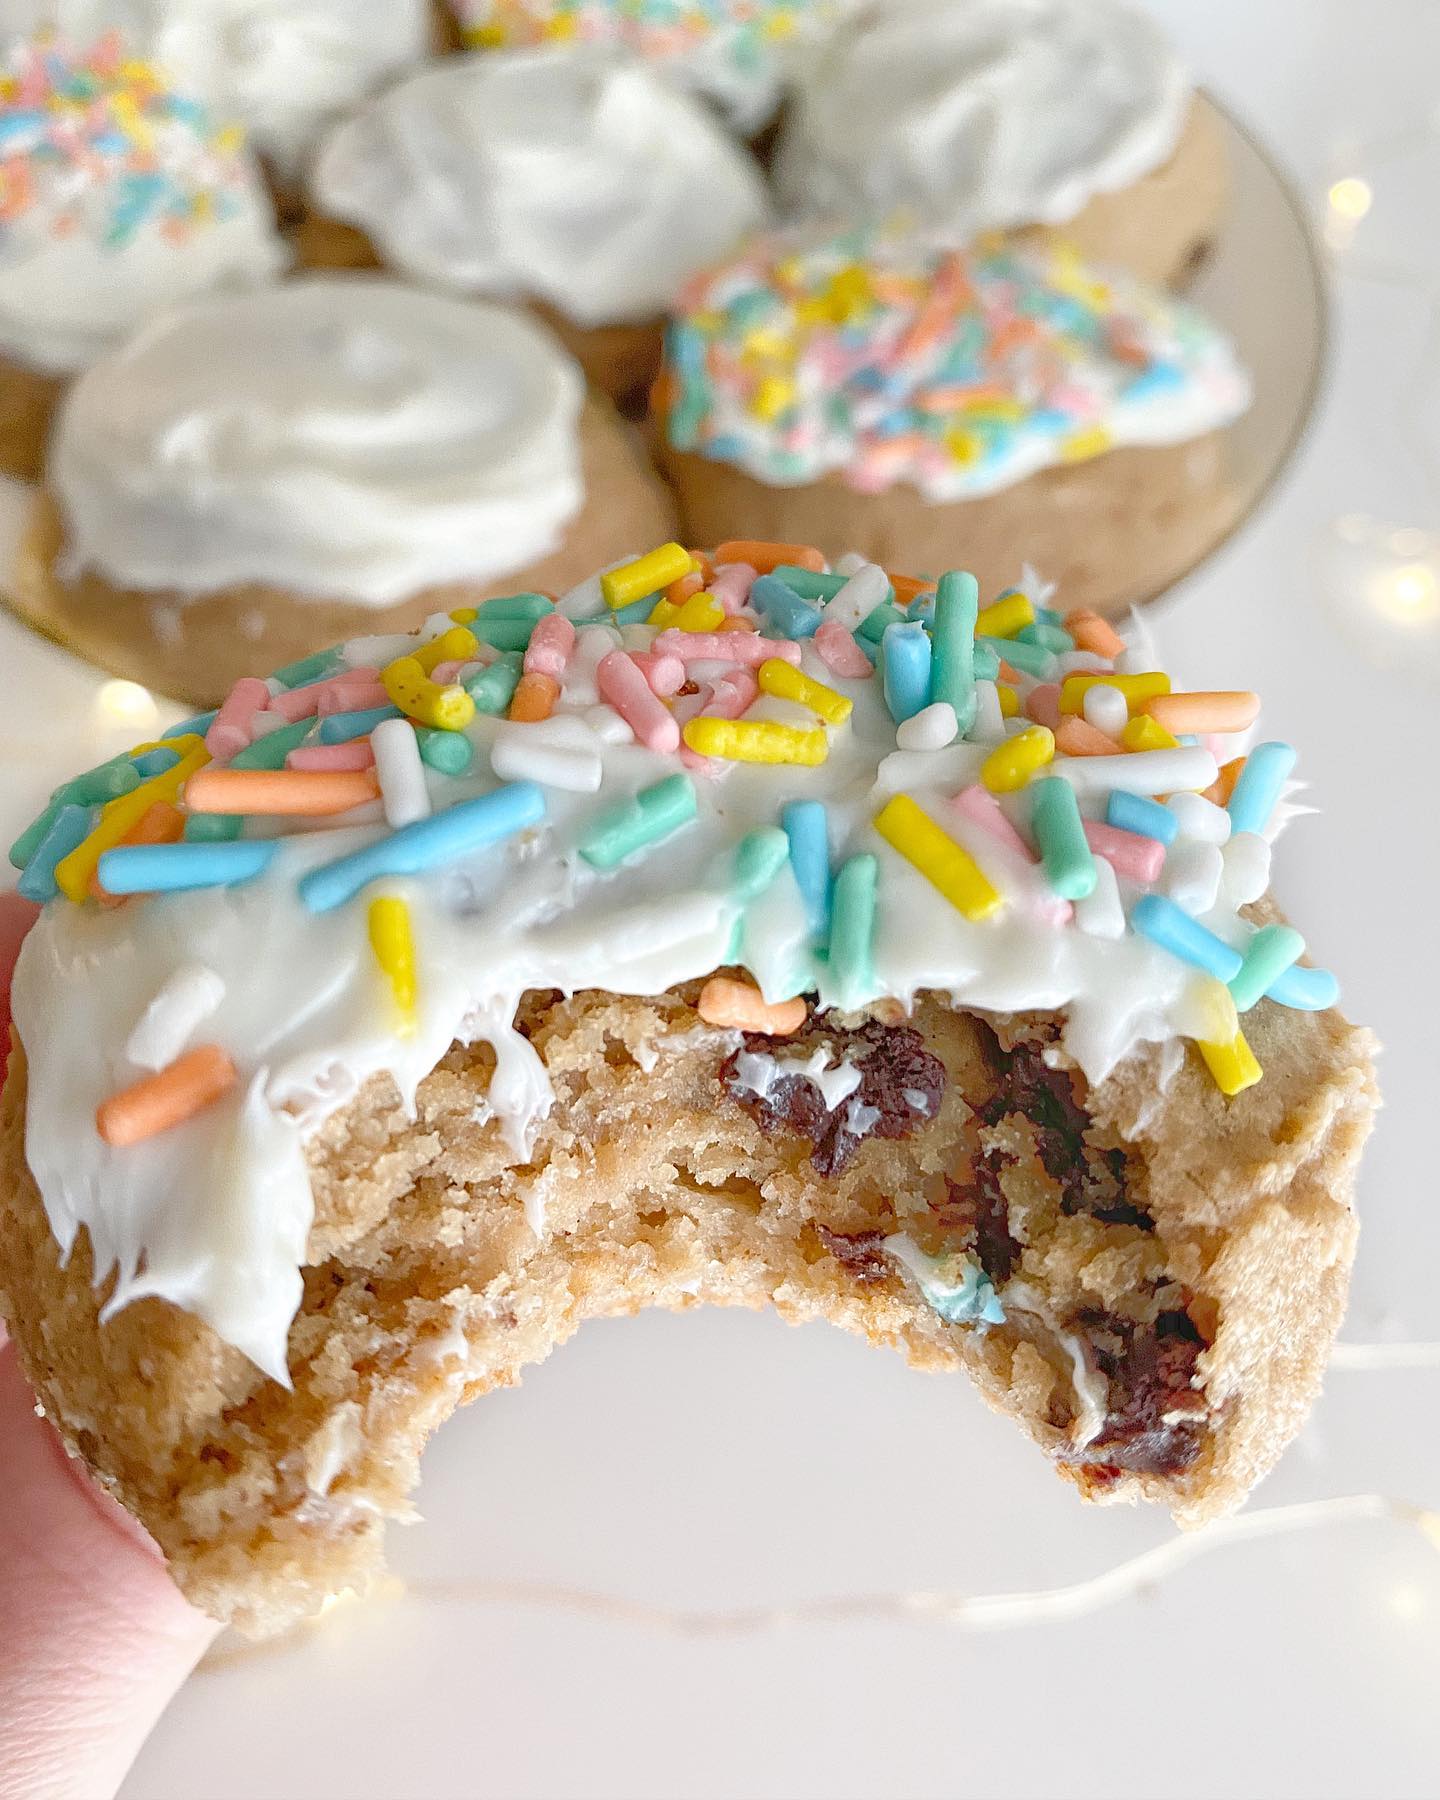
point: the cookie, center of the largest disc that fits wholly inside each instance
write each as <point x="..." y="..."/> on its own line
<point x="576" y="179"/>
<point x="356" y="454"/>
<point x="683" y="966"/>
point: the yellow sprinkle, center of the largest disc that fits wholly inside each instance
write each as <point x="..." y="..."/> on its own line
<point x="465" y="615"/>
<point x="1085" y="444"/>
<point x="964" y="446"/>
<point x="947" y="866"/>
<point x="424" y="700"/>
<point x="1217" y="1019"/>
<point x="664" y="613"/>
<point x="1142" y="733"/>
<point x="486" y="37"/>
<point x="1011" y="764"/>
<point x="118" y="817"/>
<point x="229" y="138"/>
<point x="1009" y="614"/>
<point x="757" y="741"/>
<point x="787" y="682"/>
<point x="559" y="29"/>
<point x="778" y="25"/>
<point x="701" y="612"/>
<point x="394" y="947"/>
<point x="1233" y="1065"/>
<point x="774" y="394"/>
<point x="1006" y="412"/>
<point x="850" y="294"/>
<point x="455" y="645"/>
<point x="646" y="575"/>
<point x="1137" y="689"/>
<point x="763" y="343"/>
<point x="1009" y="700"/>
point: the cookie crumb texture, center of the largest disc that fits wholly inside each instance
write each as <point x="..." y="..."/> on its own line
<point x="1171" y="1269"/>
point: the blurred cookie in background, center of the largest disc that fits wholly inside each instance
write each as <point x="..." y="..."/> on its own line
<point x="255" y="476"/>
<point x="1070" y="116"/>
<point x="119" y="195"/>
<point x="578" y="180"/>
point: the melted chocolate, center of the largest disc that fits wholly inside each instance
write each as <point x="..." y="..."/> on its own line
<point x="860" y="1253"/>
<point x="1149" y="1369"/>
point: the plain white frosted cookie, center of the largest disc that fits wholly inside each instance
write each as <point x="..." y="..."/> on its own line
<point x="578" y="176"/>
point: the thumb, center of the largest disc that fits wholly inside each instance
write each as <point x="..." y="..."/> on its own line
<point x="94" y="1637"/>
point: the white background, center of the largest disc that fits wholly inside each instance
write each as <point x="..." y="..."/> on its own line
<point x="713" y="1461"/>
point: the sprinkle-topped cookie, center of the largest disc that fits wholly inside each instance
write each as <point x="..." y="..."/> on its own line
<point x="118" y="194"/>
<point x="890" y="358"/>
<point x="827" y="788"/>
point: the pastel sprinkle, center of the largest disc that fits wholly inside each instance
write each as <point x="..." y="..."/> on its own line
<point x="419" y="698"/>
<point x="757" y="741"/>
<point x="1011" y="764"/>
<point x="291" y="793"/>
<point x="852" y="932"/>
<point x="1148" y="818"/>
<point x="841" y="655"/>
<point x="451" y="752"/>
<point x="161" y="1101"/>
<point x="1307" y="990"/>
<point x="622" y="682"/>
<point x="953" y="673"/>
<point x="400" y="771"/>
<point x="654" y="813"/>
<point x="492" y="689"/>
<point x="68" y="828"/>
<point x="783" y="609"/>
<point x="759" y="857"/>
<point x="1006" y="617"/>
<point x="1259" y="785"/>
<point x="1232" y="1065"/>
<point x="1272" y="950"/>
<point x="1060" y="833"/>
<point x="786" y="682"/>
<point x="1129" y="853"/>
<point x="179" y="868"/>
<point x="342" y="727"/>
<point x="946" y="865"/>
<point x="1199" y="712"/>
<point x="905" y="662"/>
<point x="393" y="945"/>
<point x="645" y="575"/>
<point x="1137" y="689"/>
<point x="806" y="827"/>
<point x="1158" y="918"/>
<point x="732" y="1005"/>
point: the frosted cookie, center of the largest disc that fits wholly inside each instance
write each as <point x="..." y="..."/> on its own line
<point x="736" y="53"/>
<point x="250" y="476"/>
<point x="892" y="393"/>
<point x="283" y="68"/>
<point x="119" y="195"/>
<point x="576" y="179"/>
<point x="620" y="953"/>
<point x="1073" y="117"/>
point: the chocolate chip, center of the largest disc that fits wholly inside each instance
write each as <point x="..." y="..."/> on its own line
<point x="860" y="1253"/>
<point x="979" y="1212"/>
<point x="1154" y="1416"/>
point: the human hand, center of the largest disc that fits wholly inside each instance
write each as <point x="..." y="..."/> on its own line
<point x="94" y="1637"/>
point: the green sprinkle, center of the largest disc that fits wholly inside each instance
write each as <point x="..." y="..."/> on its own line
<point x="514" y="606"/>
<point x="852" y="932"/>
<point x="1030" y="659"/>
<point x="504" y="634"/>
<point x="874" y="624"/>
<point x="451" y="752"/>
<point x="812" y="586"/>
<point x="310" y="668"/>
<point x="1060" y="833"/>
<point x="96" y="786"/>
<point x="1046" y="637"/>
<point x="270" y="751"/>
<point x="1048" y="615"/>
<point x="954" y="666"/>
<point x="213" y="828"/>
<point x="1268" y="954"/>
<point x="197" y="725"/>
<point x="654" y="813"/>
<point x="987" y="665"/>
<point x="492" y="688"/>
<point x="33" y="835"/>
<point x="759" y="858"/>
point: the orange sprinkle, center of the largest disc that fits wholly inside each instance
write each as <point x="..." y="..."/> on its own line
<point x="1093" y="633"/>
<point x="731" y="623"/>
<point x="705" y="566"/>
<point x="280" y="791"/>
<point x="534" y="697"/>
<point x="1183" y="713"/>
<point x="1009" y="674"/>
<point x="161" y="824"/>
<point x="736" y="1006"/>
<point x="161" y="1101"/>
<point x="763" y="557"/>
<point x="1078" y="737"/>
<point x="909" y="587"/>
<point x="680" y="591"/>
<point x="1223" y="786"/>
<point x="1042" y="704"/>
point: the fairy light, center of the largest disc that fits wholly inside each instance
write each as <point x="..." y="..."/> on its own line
<point x="126" y="703"/>
<point x="1407" y="595"/>
<point x="1351" y="198"/>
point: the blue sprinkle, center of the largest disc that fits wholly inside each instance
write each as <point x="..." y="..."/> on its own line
<point x="1163" y="922"/>
<point x="67" y="830"/>
<point x="155" y="762"/>
<point x="1267" y="769"/>
<point x="196" y="726"/>
<point x="791" y="616"/>
<point x="343" y="727"/>
<point x="636" y="613"/>
<point x="176" y="868"/>
<point x="905" y="654"/>
<point x="444" y="837"/>
<point x="1132" y="812"/>
<point x="806" y="827"/>
<point x="1307" y="990"/>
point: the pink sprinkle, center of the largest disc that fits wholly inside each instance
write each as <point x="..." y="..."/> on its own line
<point x="357" y="754"/>
<point x="233" y="728"/>
<point x="326" y="696"/>
<point x="445" y="672"/>
<point x="352" y="697"/>
<point x="1129" y="854"/>
<point x="732" y="695"/>
<point x="840" y="653"/>
<point x="725" y="646"/>
<point x="981" y="808"/>
<point x="666" y="674"/>
<point x="622" y="682"/>
<point x="1042" y="704"/>
<point x="731" y="586"/>
<point x="551" y="645"/>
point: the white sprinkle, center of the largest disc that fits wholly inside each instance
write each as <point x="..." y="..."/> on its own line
<point x="1106" y="708"/>
<point x="190" y="995"/>
<point x="1247" y="867"/>
<point x="850" y="563"/>
<point x="557" y="758"/>
<point x="1081" y="662"/>
<point x="862" y="593"/>
<point x="636" y="637"/>
<point x="375" y="652"/>
<point x="1100" y="913"/>
<point x="586" y="599"/>
<point x="1135" y="660"/>
<point x="404" y="792"/>
<point x="1141" y="772"/>
<point x="1192" y="874"/>
<point x="932" y="728"/>
<point x="1200" y="818"/>
<point x="989" y="722"/>
<point x="593" y="643"/>
<point x="263" y="723"/>
<point x="608" y="726"/>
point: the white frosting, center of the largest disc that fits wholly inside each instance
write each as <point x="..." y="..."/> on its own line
<point x="214" y="1214"/>
<point x="994" y="113"/>
<point x="283" y="68"/>
<point x="577" y="175"/>
<point x="337" y="436"/>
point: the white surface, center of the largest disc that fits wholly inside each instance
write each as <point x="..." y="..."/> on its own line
<point x="718" y="1460"/>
